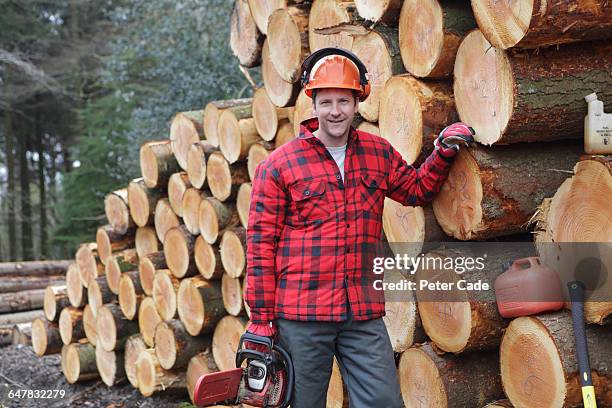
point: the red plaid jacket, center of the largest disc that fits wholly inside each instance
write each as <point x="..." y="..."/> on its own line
<point x="310" y="235"/>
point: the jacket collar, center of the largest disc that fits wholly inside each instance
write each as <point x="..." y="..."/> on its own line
<point x="309" y="126"/>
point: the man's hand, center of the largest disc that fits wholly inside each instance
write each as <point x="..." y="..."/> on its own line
<point x="260" y="329"/>
<point x="452" y="137"/>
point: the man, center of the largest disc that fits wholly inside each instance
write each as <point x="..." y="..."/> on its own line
<point x="316" y="208"/>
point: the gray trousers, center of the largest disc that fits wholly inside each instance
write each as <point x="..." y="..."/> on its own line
<point x="364" y="354"/>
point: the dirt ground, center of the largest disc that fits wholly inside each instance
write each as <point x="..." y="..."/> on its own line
<point x="21" y="369"/>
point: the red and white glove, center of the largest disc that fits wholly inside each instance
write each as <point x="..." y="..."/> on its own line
<point x="451" y="137"/>
<point x="260" y="329"/>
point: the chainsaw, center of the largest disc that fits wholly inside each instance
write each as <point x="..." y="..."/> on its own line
<point x="266" y="380"/>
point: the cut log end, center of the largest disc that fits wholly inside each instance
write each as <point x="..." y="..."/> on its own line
<point x="325" y="14"/>
<point x="110" y="365"/>
<point x="219" y="176"/>
<point x="243" y="204"/>
<point x="133" y="347"/>
<point x="208" y="222"/>
<point x="245" y="37"/>
<point x="148" y="319"/>
<point x="178" y="251"/>
<point x="257" y="154"/>
<point x="261" y="10"/>
<point x="420" y="380"/>
<point x="46" y="338"/>
<point x="280" y="92"/>
<point x="200" y="305"/>
<point x="232" y="295"/>
<point x="55" y="299"/>
<point x="225" y="341"/>
<point x="77" y="295"/>
<point x="79" y="362"/>
<point x="71" y="325"/>
<point x="89" y="325"/>
<point x="196" y="165"/>
<point x="289" y="46"/>
<point x="191" y="205"/>
<point x="186" y="129"/>
<point x="129" y="298"/>
<point x="265" y="115"/>
<point x="157" y="163"/>
<point x="232" y="249"/>
<point x="177" y="185"/>
<point x="86" y="259"/>
<point x="207" y="261"/>
<point x="152" y="378"/>
<point x="146" y="241"/>
<point x="164" y="219"/>
<point x="199" y="365"/>
<point x="165" y="286"/>
<point x="117" y="211"/>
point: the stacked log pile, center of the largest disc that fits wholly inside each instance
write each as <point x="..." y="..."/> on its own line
<point x="158" y="297"/>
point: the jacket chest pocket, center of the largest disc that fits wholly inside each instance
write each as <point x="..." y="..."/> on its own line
<point x="311" y="200"/>
<point x="373" y="189"/>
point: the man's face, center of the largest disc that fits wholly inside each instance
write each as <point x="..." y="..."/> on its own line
<point x="335" y="108"/>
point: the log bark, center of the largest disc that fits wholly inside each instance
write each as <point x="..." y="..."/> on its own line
<point x="16" y="284"/>
<point x="387" y="11"/>
<point x="519" y="96"/>
<point x="79" y="362"/>
<point x="196" y="162"/>
<point x="288" y="40"/>
<point x="243" y="203"/>
<point x="146" y="270"/>
<point x="22" y="301"/>
<point x="413" y="112"/>
<point x="428" y="379"/>
<point x="113" y="327"/>
<point x="213" y="110"/>
<point x="200" y="364"/>
<point x="71" y="325"/>
<point x="429" y="43"/>
<point x="258" y="152"/>
<point x="208" y="259"/>
<point x="331" y="13"/>
<point x="186" y="129"/>
<point x="536" y="23"/>
<point x="124" y="261"/>
<point x="77" y="294"/>
<point x="178" y="251"/>
<point x="538" y="361"/>
<point x="130" y="294"/>
<point x="99" y="293"/>
<point x="89" y="325"/>
<point x="233" y="251"/>
<point x="494" y="192"/>
<point x="177" y="185"/>
<point x="231" y="290"/>
<point x="165" y="288"/>
<point x="110" y="365"/>
<point x="157" y="163"/>
<point x="236" y="135"/>
<point x="280" y="92"/>
<point x="224" y="178"/>
<point x="89" y="263"/>
<point x="191" y="206"/>
<point x="55" y="299"/>
<point x="21" y="317"/>
<point x="109" y="241"/>
<point x="174" y="346"/>
<point x="152" y="378"/>
<point x="200" y="305"/>
<point x="118" y="211"/>
<point x="148" y="319"/>
<point x="22" y="334"/>
<point x="46" y="337"/>
<point x="34" y="268"/>
<point x="214" y="216"/>
<point x="133" y="347"/>
<point x="267" y="115"/>
<point x="146" y="241"/>
<point x="142" y="201"/>
<point x="245" y="37"/>
<point x="225" y="341"/>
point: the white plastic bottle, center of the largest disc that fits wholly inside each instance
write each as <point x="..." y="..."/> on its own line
<point x="597" y="127"/>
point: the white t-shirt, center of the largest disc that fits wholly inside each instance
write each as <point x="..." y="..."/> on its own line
<point x="338" y="153"/>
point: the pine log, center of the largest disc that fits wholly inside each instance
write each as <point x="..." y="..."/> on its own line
<point x="233" y="251"/>
<point x="71" y="325"/>
<point x="16" y="284"/>
<point x="261" y="11"/>
<point x="225" y="341"/>
<point x="46" y="337"/>
<point x="519" y="96"/>
<point x="224" y="178"/>
<point x="110" y="365"/>
<point x="539" y="366"/>
<point x="326" y="14"/>
<point x="21" y="317"/>
<point x="157" y="163"/>
<point x="236" y="135"/>
<point x="22" y="334"/>
<point x="146" y="270"/>
<point x="152" y="378"/>
<point x="22" y="301"/>
<point x="247" y="309"/>
<point x="79" y="362"/>
<point x="148" y="319"/>
<point x="34" y="268"/>
<point x="196" y="162"/>
<point x="174" y="347"/>
<point x="142" y="202"/>
<point x="284" y="134"/>
<point x="258" y="152"/>
<point x="494" y="192"/>
<point x="178" y="251"/>
<point x="428" y="379"/>
<point x="89" y="325"/>
<point x="303" y="111"/>
<point x="243" y="203"/>
<point x="245" y="37"/>
<point x="200" y="364"/>
<point x="369" y="127"/>
<point x="386" y="11"/>
<point x="99" y="293"/>
<point x="77" y="293"/>
<point x="413" y="112"/>
<point x="214" y="216"/>
<point x="186" y="129"/>
<point x="213" y="110"/>
<point x="165" y="288"/>
<point x="146" y="241"/>
<point x="177" y="185"/>
<point x="118" y="211"/>
<point x="130" y="294"/>
<point x="208" y="259"/>
<point x="113" y="327"/>
<point x="379" y="50"/>
<point x="55" y="299"/>
<point x="503" y="403"/>
<point x="133" y="347"/>
<point x="6" y="335"/>
<point x="191" y="206"/>
<point x="429" y="43"/>
<point x="535" y="23"/>
<point x="267" y="115"/>
<point x="200" y="305"/>
<point x="109" y="241"/>
<point x="124" y="261"/>
<point x="165" y="218"/>
<point x="288" y="40"/>
<point x="280" y="92"/>
<point x="88" y="261"/>
<point x="231" y="291"/>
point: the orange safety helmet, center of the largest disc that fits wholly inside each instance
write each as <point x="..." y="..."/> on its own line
<point x="335" y="68"/>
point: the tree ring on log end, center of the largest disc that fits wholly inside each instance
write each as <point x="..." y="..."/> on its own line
<point x="421" y="380"/>
<point x="148" y="165"/>
<point x="165" y="345"/>
<point x="146" y="373"/>
<point x="505" y="23"/>
<point x="324" y="14"/>
<point x="265" y="115"/>
<point x="229" y="134"/>
<point x="106" y="329"/>
<point x="183" y="133"/>
<point x="285" y="41"/>
<point x="191" y="308"/>
<point x="208" y="221"/>
<point x="403" y="223"/>
<point x="117" y="213"/>
<point x="127" y="297"/>
<point x="176" y="252"/>
<point x="219" y="176"/>
<point x="421" y="39"/>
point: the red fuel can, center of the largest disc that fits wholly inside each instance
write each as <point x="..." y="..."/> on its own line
<point x="528" y="288"/>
